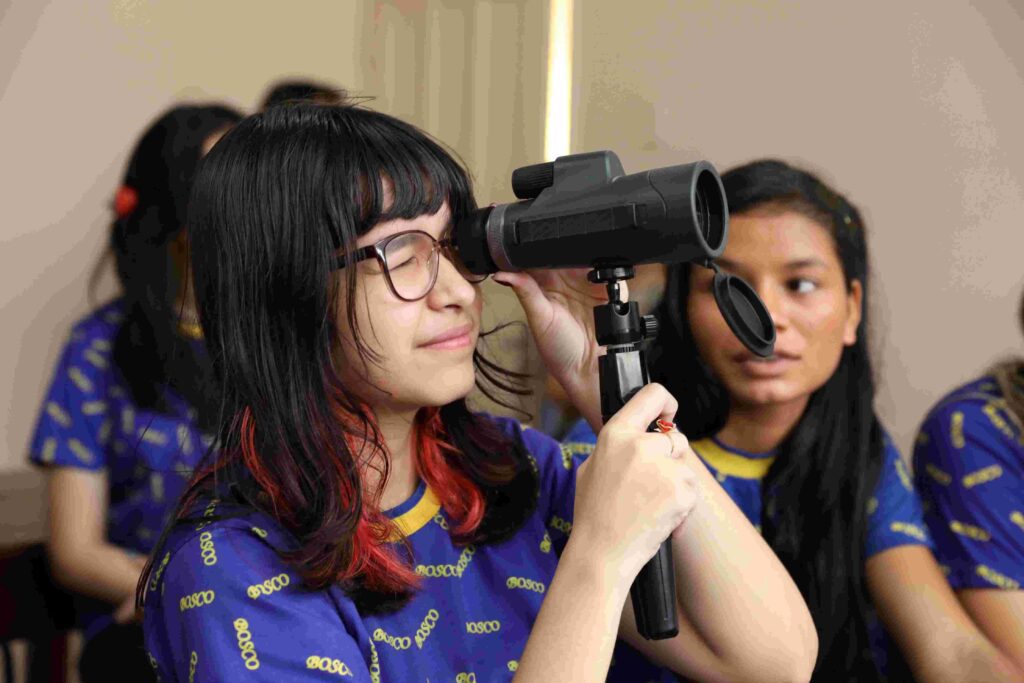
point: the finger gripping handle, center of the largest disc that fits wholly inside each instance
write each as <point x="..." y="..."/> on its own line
<point x="653" y="594"/>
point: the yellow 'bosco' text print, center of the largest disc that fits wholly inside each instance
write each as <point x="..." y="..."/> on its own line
<point x="513" y="665"/>
<point x="328" y="665"/>
<point x="271" y="585"/>
<point x="246" y="646"/>
<point x="943" y="478"/>
<point x="465" y="678"/>
<point x="206" y="549"/>
<point x="1017" y="518"/>
<point x="159" y="572"/>
<point x="397" y="642"/>
<point x="374" y="664"/>
<point x="560" y="524"/>
<point x="982" y="476"/>
<point x="483" y="627"/>
<point x="192" y="661"/>
<point x="970" y="531"/>
<point x="904" y="475"/>
<point x="995" y="578"/>
<point x="911" y="530"/>
<point x="207" y="513"/>
<point x="441" y="521"/>
<point x="528" y="584"/>
<point x="545" y="543"/>
<point x="991" y="410"/>
<point x="197" y="600"/>
<point x="436" y="571"/>
<point x="956" y="429"/>
<point x="426" y="626"/>
<point x="571" y="449"/>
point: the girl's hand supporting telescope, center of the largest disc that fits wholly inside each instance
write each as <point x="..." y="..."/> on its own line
<point x="559" y="307"/>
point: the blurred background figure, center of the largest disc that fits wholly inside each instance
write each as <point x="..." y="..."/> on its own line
<point x="123" y="422"/>
<point x="302" y="90"/>
<point x="969" y="465"/>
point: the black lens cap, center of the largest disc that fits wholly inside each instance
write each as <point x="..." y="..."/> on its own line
<point x="745" y="313"/>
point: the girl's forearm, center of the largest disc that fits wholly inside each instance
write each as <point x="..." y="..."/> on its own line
<point x="102" y="571"/>
<point x="575" y="631"/>
<point x="737" y="594"/>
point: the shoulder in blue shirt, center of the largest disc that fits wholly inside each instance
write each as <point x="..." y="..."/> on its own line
<point x="969" y="466"/>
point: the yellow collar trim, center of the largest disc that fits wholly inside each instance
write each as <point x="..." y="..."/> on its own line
<point x="413" y="520"/>
<point x="731" y="464"/>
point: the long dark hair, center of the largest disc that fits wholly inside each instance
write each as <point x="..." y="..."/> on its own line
<point x="280" y="195"/>
<point x="150" y="214"/>
<point x="816" y="492"/>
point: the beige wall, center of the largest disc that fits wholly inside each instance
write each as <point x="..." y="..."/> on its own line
<point x="912" y="108"/>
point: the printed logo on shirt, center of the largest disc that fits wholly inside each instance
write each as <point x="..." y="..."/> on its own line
<point x="192" y="661"/>
<point x="991" y="410"/>
<point x="156" y="485"/>
<point x="426" y="626"/>
<point x="259" y="532"/>
<point x="982" y="476"/>
<point x="206" y="549"/>
<point x="397" y="642"/>
<point x="80" y="451"/>
<point x="545" y="543"/>
<point x="49" y="451"/>
<point x="80" y="380"/>
<point x="970" y="531"/>
<point x="268" y="587"/>
<point x="246" y="646"/>
<point x="904" y="475"/>
<point x="58" y="414"/>
<point x="159" y="572"/>
<point x="483" y="627"/>
<point x="103" y="434"/>
<point x="943" y="478"/>
<point x="127" y="420"/>
<point x="150" y="435"/>
<point x="571" y="449"/>
<point x="207" y="513"/>
<point x="198" y="599"/>
<point x="94" y="407"/>
<point x="911" y="530"/>
<point x="560" y="524"/>
<point x="436" y="571"/>
<point x="513" y="665"/>
<point x="96" y="359"/>
<point x="872" y="505"/>
<point x="995" y="578"/>
<point x="184" y="439"/>
<point x="441" y="521"/>
<point x="956" y="429"/>
<point x="152" y="660"/>
<point x="328" y="665"/>
<point x="1017" y="518"/>
<point x="374" y="664"/>
<point x="465" y="678"/>
<point x="527" y="584"/>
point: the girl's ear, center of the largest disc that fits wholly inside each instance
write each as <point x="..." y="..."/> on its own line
<point x="854" y="311"/>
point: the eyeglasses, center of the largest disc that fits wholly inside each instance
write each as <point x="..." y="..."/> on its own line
<point x="410" y="261"/>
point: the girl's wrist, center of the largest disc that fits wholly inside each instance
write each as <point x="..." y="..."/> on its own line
<point x="602" y="571"/>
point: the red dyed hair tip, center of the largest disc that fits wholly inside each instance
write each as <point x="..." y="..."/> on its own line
<point x="125" y="201"/>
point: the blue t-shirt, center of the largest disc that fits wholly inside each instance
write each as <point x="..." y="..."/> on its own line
<point x="88" y="421"/>
<point x="222" y="603"/>
<point x="969" y="466"/>
<point x="895" y="516"/>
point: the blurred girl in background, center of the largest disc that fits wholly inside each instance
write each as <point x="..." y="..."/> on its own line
<point x="123" y="422"/>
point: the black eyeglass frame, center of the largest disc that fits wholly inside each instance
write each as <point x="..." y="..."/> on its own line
<point x="441" y="246"/>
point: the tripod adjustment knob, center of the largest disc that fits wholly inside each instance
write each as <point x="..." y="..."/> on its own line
<point x="651" y="326"/>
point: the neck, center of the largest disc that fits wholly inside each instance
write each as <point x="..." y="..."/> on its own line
<point x="396" y="428"/>
<point x="761" y="428"/>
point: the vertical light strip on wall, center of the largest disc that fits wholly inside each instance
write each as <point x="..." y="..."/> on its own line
<point x="558" y="119"/>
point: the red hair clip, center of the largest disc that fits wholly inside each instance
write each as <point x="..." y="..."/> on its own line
<point x="125" y="201"/>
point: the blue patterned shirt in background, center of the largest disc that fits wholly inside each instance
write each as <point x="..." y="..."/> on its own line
<point x="969" y="466"/>
<point x="89" y="422"/>
<point x="895" y="515"/>
<point x="222" y="604"/>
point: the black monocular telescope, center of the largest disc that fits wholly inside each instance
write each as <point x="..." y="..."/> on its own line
<point x="582" y="210"/>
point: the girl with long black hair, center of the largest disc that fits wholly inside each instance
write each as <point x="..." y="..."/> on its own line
<point x="123" y="422"/>
<point x="359" y="520"/>
<point x="795" y="440"/>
